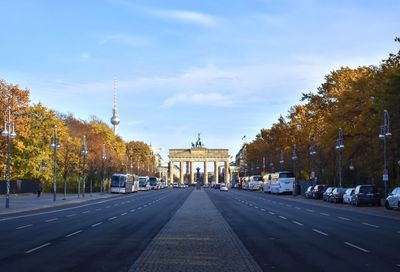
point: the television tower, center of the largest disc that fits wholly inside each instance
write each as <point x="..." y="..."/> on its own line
<point x="115" y="119"/>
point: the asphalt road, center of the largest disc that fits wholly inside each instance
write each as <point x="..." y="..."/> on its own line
<point x="106" y="235"/>
<point x="285" y="235"/>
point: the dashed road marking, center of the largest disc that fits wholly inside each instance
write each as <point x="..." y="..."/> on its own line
<point x="98" y="209"/>
<point x="36" y="248"/>
<point x="107" y="207"/>
<point x="344" y="218"/>
<point x="139" y="208"/>
<point x="97" y="224"/>
<point x="25" y="226"/>
<point x="112" y="218"/>
<point x="255" y="207"/>
<point x="51" y="220"/>
<point x="320" y="232"/>
<point x="325" y="214"/>
<point x="297" y="223"/>
<point x="271" y="213"/>
<point x="132" y="210"/>
<point x="297" y="208"/>
<point x="357" y="247"/>
<point x="123" y="213"/>
<point x="370" y="225"/>
<point x="287" y="205"/>
<point x="70" y="215"/>
<point x="280" y="216"/>
<point x="308" y="210"/>
<point x="74" y="233"/>
<point x="86" y="212"/>
<point x="263" y="210"/>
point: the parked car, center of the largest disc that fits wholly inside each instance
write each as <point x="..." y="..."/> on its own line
<point x="393" y="199"/>
<point x="308" y="193"/>
<point x="318" y="191"/>
<point x="175" y="185"/>
<point x="217" y="186"/>
<point x="327" y="194"/>
<point x="366" y="194"/>
<point x="347" y="195"/>
<point x="337" y="195"/>
<point x="223" y="188"/>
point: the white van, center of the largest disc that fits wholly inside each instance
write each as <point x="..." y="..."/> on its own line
<point x="255" y="183"/>
<point x="282" y="182"/>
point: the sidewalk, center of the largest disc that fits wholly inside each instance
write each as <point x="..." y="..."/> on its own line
<point x="28" y="202"/>
<point x="197" y="238"/>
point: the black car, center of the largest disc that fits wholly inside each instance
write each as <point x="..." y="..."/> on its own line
<point x="318" y="191"/>
<point x="337" y="195"/>
<point x="366" y="194"/>
<point x="327" y="194"/>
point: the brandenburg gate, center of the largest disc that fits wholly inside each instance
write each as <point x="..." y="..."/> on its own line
<point x="198" y="153"/>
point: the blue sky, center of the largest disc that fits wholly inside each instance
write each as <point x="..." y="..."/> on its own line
<point x="223" y="68"/>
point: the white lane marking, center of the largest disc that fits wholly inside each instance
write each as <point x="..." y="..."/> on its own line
<point x="36" y="248"/>
<point x="308" y="210"/>
<point x="271" y="213"/>
<point x="357" y="247"/>
<point x="263" y="210"/>
<point x="287" y="205"/>
<point x="108" y="207"/>
<point x="123" y="213"/>
<point x="74" y="233"/>
<point x="112" y="218"/>
<point x="95" y="225"/>
<point x="280" y="203"/>
<point x="344" y="218"/>
<point x="321" y="213"/>
<point x="70" y="215"/>
<point x="370" y="225"/>
<point x="59" y="210"/>
<point x="116" y="205"/>
<point x="398" y="265"/>
<point x="139" y="208"/>
<point x="85" y="211"/>
<point x="297" y="223"/>
<point x="128" y="201"/>
<point x="282" y="217"/>
<point x="25" y="226"/>
<point x="320" y="232"/>
<point x="132" y="210"/>
<point x="297" y="208"/>
<point x="255" y="207"/>
<point x="98" y="209"/>
<point x="51" y="220"/>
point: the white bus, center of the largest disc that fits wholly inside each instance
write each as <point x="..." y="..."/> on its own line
<point x="282" y="182"/>
<point x="124" y="183"/>
<point x="144" y="183"/>
<point x="255" y="183"/>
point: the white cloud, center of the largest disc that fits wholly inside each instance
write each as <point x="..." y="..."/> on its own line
<point x="125" y="39"/>
<point x="205" y="99"/>
<point x="185" y="16"/>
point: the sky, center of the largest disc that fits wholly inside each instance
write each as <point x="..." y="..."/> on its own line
<point x="225" y="68"/>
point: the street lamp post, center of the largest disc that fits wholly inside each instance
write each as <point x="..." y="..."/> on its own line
<point x="281" y="161"/>
<point x="385" y="134"/>
<point x="9" y="132"/>
<point x="271" y="165"/>
<point x="84" y="153"/>
<point x="55" y="145"/>
<point x="339" y="148"/>
<point x="294" y="158"/>
<point x="313" y="152"/>
<point x="103" y="160"/>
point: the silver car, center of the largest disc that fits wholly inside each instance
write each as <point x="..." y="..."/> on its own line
<point x="347" y="195"/>
<point x="393" y="200"/>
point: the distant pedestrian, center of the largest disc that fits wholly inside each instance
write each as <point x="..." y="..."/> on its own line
<point x="39" y="189"/>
